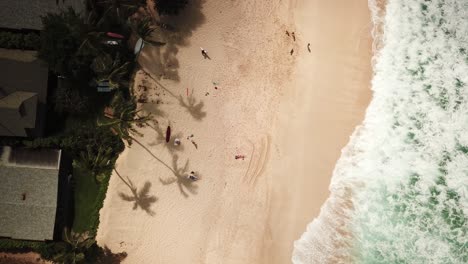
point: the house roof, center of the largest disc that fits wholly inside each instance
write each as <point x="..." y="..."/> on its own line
<point x="15" y="99"/>
<point x="28" y="193"/>
<point x="26" y="14"/>
<point x="23" y="93"/>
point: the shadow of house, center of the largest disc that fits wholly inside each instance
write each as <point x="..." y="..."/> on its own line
<point x="183" y="183"/>
<point x="33" y="194"/>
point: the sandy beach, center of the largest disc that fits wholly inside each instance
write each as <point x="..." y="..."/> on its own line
<point x="289" y="115"/>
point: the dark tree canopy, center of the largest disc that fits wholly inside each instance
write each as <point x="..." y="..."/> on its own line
<point x="60" y="41"/>
<point x="170" y="7"/>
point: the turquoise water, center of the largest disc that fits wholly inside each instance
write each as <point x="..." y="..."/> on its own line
<point x="406" y="167"/>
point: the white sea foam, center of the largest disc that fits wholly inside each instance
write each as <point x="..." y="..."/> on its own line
<point x="405" y="170"/>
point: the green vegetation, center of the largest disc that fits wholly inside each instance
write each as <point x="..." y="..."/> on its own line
<point x="60" y="42"/>
<point x="23" y="41"/>
<point x="86" y="190"/>
<point x="89" y="126"/>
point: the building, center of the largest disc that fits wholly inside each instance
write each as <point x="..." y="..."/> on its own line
<point x="24" y="78"/>
<point x="26" y="14"/>
<point x="23" y="94"/>
<point x="33" y="193"/>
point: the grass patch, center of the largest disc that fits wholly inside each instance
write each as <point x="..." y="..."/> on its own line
<point x="89" y="197"/>
<point x="85" y="191"/>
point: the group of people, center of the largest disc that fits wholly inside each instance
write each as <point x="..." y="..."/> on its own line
<point x="293" y="35"/>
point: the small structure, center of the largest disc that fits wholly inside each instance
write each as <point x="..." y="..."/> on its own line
<point x="29" y="191"/>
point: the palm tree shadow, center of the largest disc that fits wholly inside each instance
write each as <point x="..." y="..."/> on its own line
<point x="195" y="109"/>
<point x="154" y="109"/>
<point x="140" y="198"/>
<point x="162" y="61"/>
<point x="182" y="182"/>
<point x="161" y="139"/>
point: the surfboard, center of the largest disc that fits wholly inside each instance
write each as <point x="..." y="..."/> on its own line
<point x="168" y="134"/>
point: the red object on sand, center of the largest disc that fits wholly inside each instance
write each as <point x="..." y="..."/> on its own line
<point x="168" y="134"/>
<point x="240" y="157"/>
<point x="115" y="35"/>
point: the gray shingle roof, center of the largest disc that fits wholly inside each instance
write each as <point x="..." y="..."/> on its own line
<point x="28" y="194"/>
<point x="26" y="14"/>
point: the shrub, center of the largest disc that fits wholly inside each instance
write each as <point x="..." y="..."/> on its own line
<point x="24" y="41"/>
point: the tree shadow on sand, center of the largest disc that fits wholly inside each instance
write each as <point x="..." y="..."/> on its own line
<point x="160" y="138"/>
<point x="180" y="178"/>
<point x="162" y="61"/>
<point x="195" y="109"/>
<point x="140" y="198"/>
<point x="103" y="255"/>
<point x="154" y="109"/>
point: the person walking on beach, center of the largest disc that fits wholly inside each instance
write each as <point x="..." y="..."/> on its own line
<point x="287" y="33"/>
<point x="292" y="51"/>
<point x="293" y="36"/>
<point x="204" y="53"/>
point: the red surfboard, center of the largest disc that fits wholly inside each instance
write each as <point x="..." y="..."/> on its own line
<point x="168" y="134"/>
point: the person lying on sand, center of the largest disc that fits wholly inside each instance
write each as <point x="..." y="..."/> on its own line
<point x="308" y="47"/>
<point x="240" y="157"/>
<point x="176" y="142"/>
<point x="294" y="36"/>
<point x="192" y="176"/>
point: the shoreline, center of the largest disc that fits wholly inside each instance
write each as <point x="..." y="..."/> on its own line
<point x="330" y="95"/>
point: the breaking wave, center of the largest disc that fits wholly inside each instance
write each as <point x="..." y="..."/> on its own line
<point x="399" y="193"/>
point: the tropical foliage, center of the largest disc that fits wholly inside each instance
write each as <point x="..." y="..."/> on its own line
<point x="113" y="70"/>
<point x="74" y="248"/>
<point x="23" y="41"/>
<point x="98" y="163"/>
<point x="60" y="41"/>
<point x="124" y="117"/>
<point x="67" y="98"/>
<point x="145" y="30"/>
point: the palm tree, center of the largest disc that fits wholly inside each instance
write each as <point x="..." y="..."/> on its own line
<point x="96" y="162"/>
<point x="76" y="246"/>
<point x="123" y="118"/>
<point x="120" y="9"/>
<point x="144" y="29"/>
<point x="111" y="70"/>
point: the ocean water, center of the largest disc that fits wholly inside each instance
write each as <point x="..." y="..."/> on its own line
<point x="399" y="193"/>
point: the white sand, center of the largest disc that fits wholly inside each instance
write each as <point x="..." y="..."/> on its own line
<point x="290" y="116"/>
